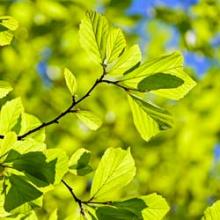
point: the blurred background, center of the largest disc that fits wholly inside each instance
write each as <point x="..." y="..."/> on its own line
<point x="183" y="163"/>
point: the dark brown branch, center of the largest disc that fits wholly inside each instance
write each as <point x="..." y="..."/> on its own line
<point x="80" y="202"/>
<point x="77" y="200"/>
<point x="73" y="104"/>
<point x="68" y="110"/>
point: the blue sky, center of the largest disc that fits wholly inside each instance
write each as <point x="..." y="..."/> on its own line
<point x="199" y="63"/>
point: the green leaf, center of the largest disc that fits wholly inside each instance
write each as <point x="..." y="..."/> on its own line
<point x="116" y="169"/>
<point x="19" y="193"/>
<point x="159" y="81"/>
<point x="9" y="22"/>
<point x="91" y="120"/>
<point x="93" y="33"/>
<point x="150" y="207"/>
<point x="110" y="212"/>
<point x="78" y="163"/>
<point x="171" y="64"/>
<point x="5" y="88"/>
<point x="29" y="145"/>
<point x="157" y="207"/>
<point x="148" y="119"/>
<point x="212" y="212"/>
<point x="53" y="215"/>
<point x="29" y="122"/>
<point x="115" y="44"/>
<point x="41" y="168"/>
<point x="35" y="165"/>
<point x="70" y="81"/>
<point x="7" y="25"/>
<point x="10" y="113"/>
<point x="128" y="209"/>
<point x="8" y="142"/>
<point x="130" y="58"/>
<point x="61" y="159"/>
<point x="27" y="209"/>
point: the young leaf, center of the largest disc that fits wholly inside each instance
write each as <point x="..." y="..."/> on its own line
<point x="159" y="81"/>
<point x="93" y="34"/>
<point x="92" y="121"/>
<point x="8" y="142"/>
<point x="9" y="22"/>
<point x="29" y="122"/>
<point x="78" y="163"/>
<point x="116" y="169"/>
<point x="148" y="119"/>
<point x="171" y="64"/>
<point x="130" y="58"/>
<point x="10" y="113"/>
<point x="5" y="88"/>
<point x="115" y="44"/>
<point x="212" y="212"/>
<point x="19" y="193"/>
<point x="7" y="25"/>
<point x="70" y="81"/>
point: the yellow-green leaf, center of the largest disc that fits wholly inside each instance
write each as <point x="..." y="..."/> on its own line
<point x="9" y="22"/>
<point x="212" y="212"/>
<point x="9" y="115"/>
<point x="79" y="162"/>
<point x="8" y="142"/>
<point x="53" y="215"/>
<point x="150" y="207"/>
<point x="93" y="32"/>
<point x="116" y="169"/>
<point x="5" y="88"/>
<point x="70" y="81"/>
<point x="7" y="25"/>
<point x="60" y="159"/>
<point x="29" y="122"/>
<point x="157" y="207"/>
<point x="130" y="58"/>
<point x="115" y="44"/>
<point x="148" y="118"/>
<point x="171" y="64"/>
<point x="89" y="119"/>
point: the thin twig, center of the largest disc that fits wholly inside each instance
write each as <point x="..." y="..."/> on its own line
<point x="62" y="114"/>
<point x="73" y="104"/>
<point x="77" y="200"/>
<point x="80" y="202"/>
<point x="116" y="83"/>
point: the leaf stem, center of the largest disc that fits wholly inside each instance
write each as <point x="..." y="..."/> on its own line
<point x="116" y="83"/>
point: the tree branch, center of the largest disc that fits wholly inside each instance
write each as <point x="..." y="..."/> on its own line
<point x="80" y="202"/>
<point x="62" y="114"/>
<point x="77" y="200"/>
<point x="73" y="104"/>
